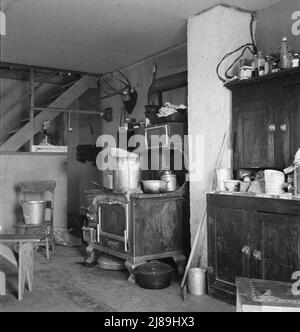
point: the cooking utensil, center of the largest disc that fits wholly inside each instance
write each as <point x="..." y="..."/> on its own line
<point x="154" y="275"/>
<point x="110" y="263"/>
<point x="154" y="187"/>
<point x="127" y="172"/>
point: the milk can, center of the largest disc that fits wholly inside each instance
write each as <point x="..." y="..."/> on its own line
<point x="171" y="180"/>
<point x="197" y="281"/>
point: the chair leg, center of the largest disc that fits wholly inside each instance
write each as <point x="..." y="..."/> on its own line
<point x="53" y="245"/>
<point x="52" y="239"/>
<point x="2" y="284"/>
<point x="47" y="248"/>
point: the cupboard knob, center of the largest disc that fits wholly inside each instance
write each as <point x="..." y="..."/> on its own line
<point x="272" y="127"/>
<point x="257" y="255"/>
<point x="283" y="127"/>
<point x="246" y="250"/>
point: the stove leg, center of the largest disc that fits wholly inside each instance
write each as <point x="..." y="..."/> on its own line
<point x="131" y="267"/>
<point x="180" y="261"/>
<point x="91" y="255"/>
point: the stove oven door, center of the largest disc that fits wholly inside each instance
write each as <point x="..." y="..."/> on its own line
<point x="113" y="226"/>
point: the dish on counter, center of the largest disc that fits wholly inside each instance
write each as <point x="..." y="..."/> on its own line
<point x="232" y="185"/>
<point x="155" y="187"/>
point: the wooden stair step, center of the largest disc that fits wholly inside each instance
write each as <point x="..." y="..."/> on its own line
<point x="13" y="132"/>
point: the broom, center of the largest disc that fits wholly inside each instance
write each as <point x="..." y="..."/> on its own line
<point x="203" y="218"/>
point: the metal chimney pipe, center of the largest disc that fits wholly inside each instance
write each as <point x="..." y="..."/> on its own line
<point x="172" y="82"/>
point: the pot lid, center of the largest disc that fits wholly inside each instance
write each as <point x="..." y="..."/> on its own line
<point x="154" y="268"/>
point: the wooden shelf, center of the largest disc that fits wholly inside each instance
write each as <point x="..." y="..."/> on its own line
<point x="284" y="73"/>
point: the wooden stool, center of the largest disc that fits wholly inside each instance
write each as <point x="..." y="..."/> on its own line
<point x="265" y="296"/>
<point x="24" y="262"/>
<point x="46" y="229"/>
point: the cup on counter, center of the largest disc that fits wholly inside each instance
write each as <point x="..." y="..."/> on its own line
<point x="232" y="185"/>
<point x="224" y="174"/>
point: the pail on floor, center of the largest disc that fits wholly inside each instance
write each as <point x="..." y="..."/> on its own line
<point x="197" y="282"/>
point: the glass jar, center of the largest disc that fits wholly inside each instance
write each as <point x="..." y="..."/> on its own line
<point x="284" y="54"/>
<point x="296" y="60"/>
<point x="297" y="182"/>
<point x="275" y="66"/>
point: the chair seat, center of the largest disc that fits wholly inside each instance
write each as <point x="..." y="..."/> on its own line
<point x="44" y="231"/>
<point x="28" y="226"/>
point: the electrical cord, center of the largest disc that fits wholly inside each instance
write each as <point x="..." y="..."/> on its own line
<point x="249" y="46"/>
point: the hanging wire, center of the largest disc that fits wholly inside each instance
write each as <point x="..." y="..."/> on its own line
<point x="249" y="46"/>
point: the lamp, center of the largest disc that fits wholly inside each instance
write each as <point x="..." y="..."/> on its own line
<point x="2" y="23"/>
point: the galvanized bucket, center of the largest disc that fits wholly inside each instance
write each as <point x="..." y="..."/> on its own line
<point x="34" y="212"/>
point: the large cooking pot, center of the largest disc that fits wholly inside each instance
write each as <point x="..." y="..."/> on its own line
<point x="127" y="172"/>
<point x="154" y="275"/>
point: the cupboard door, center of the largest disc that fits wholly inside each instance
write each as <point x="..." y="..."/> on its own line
<point x="256" y="128"/>
<point x="275" y="248"/>
<point x="290" y="125"/>
<point x="228" y="249"/>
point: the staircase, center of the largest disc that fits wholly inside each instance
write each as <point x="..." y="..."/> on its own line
<point x="70" y="93"/>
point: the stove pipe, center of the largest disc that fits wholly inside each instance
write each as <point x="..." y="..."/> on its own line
<point x="172" y="82"/>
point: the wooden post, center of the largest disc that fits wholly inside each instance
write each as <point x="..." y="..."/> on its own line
<point x="2" y="284"/>
<point x="31" y="111"/>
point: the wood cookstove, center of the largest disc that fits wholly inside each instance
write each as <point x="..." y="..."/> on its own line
<point x="137" y="227"/>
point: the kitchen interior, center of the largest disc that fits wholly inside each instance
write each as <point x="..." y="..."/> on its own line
<point x="207" y="222"/>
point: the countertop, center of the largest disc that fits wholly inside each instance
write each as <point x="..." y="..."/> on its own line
<point x="265" y="196"/>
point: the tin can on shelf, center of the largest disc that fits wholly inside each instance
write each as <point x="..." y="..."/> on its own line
<point x="297" y="182"/>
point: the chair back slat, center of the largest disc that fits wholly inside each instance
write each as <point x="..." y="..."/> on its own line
<point x="37" y="186"/>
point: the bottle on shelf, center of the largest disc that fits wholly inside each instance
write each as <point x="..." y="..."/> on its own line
<point x="275" y="67"/>
<point x="296" y="60"/>
<point x="268" y="65"/>
<point x="254" y="66"/>
<point x="261" y="64"/>
<point x="284" y="54"/>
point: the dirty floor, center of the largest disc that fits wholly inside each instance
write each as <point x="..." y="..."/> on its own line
<point x="61" y="285"/>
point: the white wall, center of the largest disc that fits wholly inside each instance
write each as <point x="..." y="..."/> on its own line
<point x="276" y="22"/>
<point x="210" y="36"/>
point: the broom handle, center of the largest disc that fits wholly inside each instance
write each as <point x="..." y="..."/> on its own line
<point x="220" y="155"/>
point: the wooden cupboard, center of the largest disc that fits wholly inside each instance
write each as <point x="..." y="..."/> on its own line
<point x="251" y="237"/>
<point x="266" y="120"/>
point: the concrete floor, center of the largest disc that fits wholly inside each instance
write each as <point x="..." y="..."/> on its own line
<point x="61" y="285"/>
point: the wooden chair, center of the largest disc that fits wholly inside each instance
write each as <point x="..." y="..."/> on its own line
<point x="40" y="188"/>
<point x="23" y="261"/>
